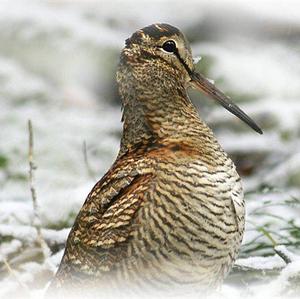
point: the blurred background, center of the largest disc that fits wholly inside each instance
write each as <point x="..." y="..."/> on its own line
<point x="57" y="67"/>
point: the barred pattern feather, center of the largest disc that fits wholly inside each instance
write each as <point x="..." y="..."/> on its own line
<point x="169" y="214"/>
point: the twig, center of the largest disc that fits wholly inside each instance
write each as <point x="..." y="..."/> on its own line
<point x="86" y="161"/>
<point x="14" y="274"/>
<point x="243" y="268"/>
<point x="36" y="220"/>
<point x="8" y="267"/>
<point x="32" y="167"/>
<point x="282" y="254"/>
<point x="276" y="247"/>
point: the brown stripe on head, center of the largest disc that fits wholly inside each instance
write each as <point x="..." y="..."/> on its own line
<point x="159" y="30"/>
<point x="154" y="31"/>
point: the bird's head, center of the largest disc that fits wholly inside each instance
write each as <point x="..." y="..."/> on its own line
<point x="163" y="52"/>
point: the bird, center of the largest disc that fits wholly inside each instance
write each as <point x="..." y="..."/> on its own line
<point x="169" y="214"/>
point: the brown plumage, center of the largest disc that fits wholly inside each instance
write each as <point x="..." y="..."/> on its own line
<point x="169" y="214"/>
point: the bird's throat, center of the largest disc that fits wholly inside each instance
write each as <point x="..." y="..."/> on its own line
<point x="155" y="120"/>
<point x="156" y="107"/>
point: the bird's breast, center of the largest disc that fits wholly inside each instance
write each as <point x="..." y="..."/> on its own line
<point x="191" y="223"/>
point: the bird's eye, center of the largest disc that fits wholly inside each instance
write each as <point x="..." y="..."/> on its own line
<point x="169" y="46"/>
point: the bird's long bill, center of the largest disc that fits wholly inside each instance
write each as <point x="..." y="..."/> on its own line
<point x="201" y="83"/>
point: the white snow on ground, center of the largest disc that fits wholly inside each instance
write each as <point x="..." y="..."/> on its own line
<point x="261" y="262"/>
<point x="9" y="247"/>
<point x="57" y="64"/>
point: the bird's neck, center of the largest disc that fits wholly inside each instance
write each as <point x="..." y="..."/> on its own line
<point x="158" y="110"/>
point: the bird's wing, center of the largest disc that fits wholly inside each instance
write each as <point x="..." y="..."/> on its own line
<point x="238" y="203"/>
<point x="104" y="225"/>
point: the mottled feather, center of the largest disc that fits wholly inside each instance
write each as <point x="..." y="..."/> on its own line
<point x="169" y="214"/>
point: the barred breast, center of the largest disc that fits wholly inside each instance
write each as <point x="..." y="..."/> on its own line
<point x="190" y="227"/>
<point x="166" y="221"/>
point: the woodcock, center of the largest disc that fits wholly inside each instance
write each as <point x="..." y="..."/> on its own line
<point x="169" y="214"/>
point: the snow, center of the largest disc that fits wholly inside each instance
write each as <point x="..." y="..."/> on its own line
<point x="261" y="262"/>
<point x="29" y="233"/>
<point x="8" y="248"/>
<point x="57" y="68"/>
<point x="281" y="285"/>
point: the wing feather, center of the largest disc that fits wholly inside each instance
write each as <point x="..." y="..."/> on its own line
<point x="103" y="226"/>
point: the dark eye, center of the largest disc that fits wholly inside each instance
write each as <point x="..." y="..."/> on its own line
<point x="169" y="46"/>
